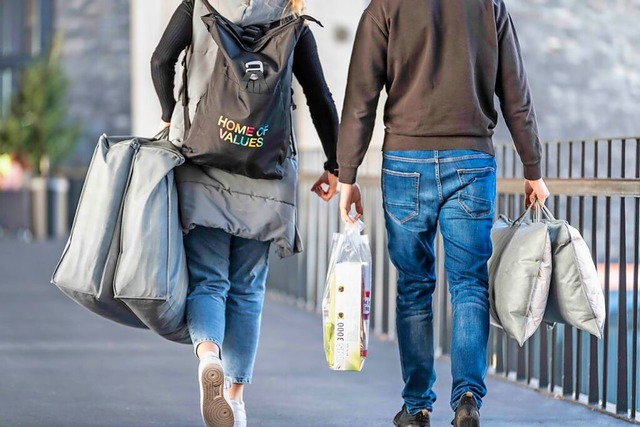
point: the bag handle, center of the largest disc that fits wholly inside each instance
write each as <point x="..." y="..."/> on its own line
<point x="547" y="213"/>
<point x="163" y="134"/>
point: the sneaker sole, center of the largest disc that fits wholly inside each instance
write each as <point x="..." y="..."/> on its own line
<point x="216" y="411"/>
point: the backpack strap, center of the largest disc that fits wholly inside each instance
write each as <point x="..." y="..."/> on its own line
<point x="185" y="92"/>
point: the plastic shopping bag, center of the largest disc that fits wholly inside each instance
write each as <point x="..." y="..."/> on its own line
<point x="347" y="300"/>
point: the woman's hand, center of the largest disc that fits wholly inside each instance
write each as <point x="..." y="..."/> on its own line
<point x="349" y="195"/>
<point x="328" y="179"/>
<point x="163" y="125"/>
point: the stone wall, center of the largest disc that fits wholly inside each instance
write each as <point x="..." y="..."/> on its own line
<point x="96" y="57"/>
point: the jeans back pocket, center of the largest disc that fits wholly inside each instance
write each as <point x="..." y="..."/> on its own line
<point x="477" y="193"/>
<point x="400" y="192"/>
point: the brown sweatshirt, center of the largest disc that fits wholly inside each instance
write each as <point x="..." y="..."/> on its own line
<point x="441" y="62"/>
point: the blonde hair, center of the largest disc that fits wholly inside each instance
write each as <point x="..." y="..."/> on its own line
<point x="297" y="5"/>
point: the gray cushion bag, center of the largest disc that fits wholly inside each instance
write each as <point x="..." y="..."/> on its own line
<point x="575" y="296"/>
<point x="124" y="259"/>
<point x="519" y="275"/>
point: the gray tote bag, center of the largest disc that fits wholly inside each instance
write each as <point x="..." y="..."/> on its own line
<point x="124" y="259"/>
<point x="519" y="275"/>
<point x="575" y="296"/>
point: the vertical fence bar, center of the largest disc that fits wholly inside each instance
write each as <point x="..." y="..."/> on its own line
<point x="622" y="397"/>
<point x="498" y="340"/>
<point x="521" y="373"/>
<point x="634" y="330"/>
<point x="544" y="334"/>
<point x="321" y="252"/>
<point x="520" y="351"/>
<point x="578" y="388"/>
<point x="393" y="278"/>
<point x="544" y="355"/>
<point x="554" y="332"/>
<point x="380" y="259"/>
<point x="594" y="386"/>
<point x="567" y="366"/>
<point x="607" y="282"/>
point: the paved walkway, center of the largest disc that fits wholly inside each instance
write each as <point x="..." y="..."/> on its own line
<point x="63" y="366"/>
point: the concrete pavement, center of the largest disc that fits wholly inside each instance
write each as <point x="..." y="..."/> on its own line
<point x="61" y="365"/>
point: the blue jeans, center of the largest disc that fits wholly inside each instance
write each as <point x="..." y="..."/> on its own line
<point x="455" y="190"/>
<point x="227" y="276"/>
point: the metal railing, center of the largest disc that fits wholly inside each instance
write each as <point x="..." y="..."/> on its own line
<point x="595" y="185"/>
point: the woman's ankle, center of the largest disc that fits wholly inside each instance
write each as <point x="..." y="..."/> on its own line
<point x="207" y="349"/>
<point x="236" y="392"/>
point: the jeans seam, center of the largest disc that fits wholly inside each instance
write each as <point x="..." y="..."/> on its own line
<point x="435" y="160"/>
<point x="407" y="159"/>
<point x="467" y="157"/>
<point x="475" y="170"/>
<point x="439" y="182"/>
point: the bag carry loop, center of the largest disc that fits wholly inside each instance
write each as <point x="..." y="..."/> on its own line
<point x="163" y="134"/>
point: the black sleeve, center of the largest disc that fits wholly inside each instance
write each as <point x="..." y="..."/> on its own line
<point x="177" y="36"/>
<point x="308" y="71"/>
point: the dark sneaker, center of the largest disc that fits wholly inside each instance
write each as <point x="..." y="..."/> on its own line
<point x="403" y="419"/>
<point x="467" y="414"/>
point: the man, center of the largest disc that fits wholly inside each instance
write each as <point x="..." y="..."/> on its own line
<point x="441" y="62"/>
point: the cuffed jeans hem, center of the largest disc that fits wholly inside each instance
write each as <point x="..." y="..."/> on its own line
<point x="197" y="342"/>
<point x="454" y="405"/>
<point x="411" y="410"/>
<point x="239" y="380"/>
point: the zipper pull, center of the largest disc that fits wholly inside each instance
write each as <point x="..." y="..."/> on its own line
<point x="135" y="144"/>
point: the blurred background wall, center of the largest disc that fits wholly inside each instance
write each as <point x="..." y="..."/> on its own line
<point x="581" y="56"/>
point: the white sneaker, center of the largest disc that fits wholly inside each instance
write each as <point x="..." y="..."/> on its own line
<point x="214" y="403"/>
<point x="239" y="414"/>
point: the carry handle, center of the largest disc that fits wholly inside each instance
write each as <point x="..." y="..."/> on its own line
<point x="547" y="213"/>
<point x="163" y="134"/>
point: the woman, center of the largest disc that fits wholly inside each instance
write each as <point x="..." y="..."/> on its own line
<point x="233" y="219"/>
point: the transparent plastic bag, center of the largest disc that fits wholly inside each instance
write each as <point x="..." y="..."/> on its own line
<point x="346" y="303"/>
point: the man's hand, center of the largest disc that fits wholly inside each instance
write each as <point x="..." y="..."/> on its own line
<point x="535" y="190"/>
<point x="349" y="195"/>
<point x="331" y="181"/>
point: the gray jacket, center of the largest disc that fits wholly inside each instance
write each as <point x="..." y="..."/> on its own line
<point x="262" y="210"/>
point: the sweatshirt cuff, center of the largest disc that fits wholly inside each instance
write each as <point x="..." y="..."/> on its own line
<point x="347" y="175"/>
<point x="533" y="172"/>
